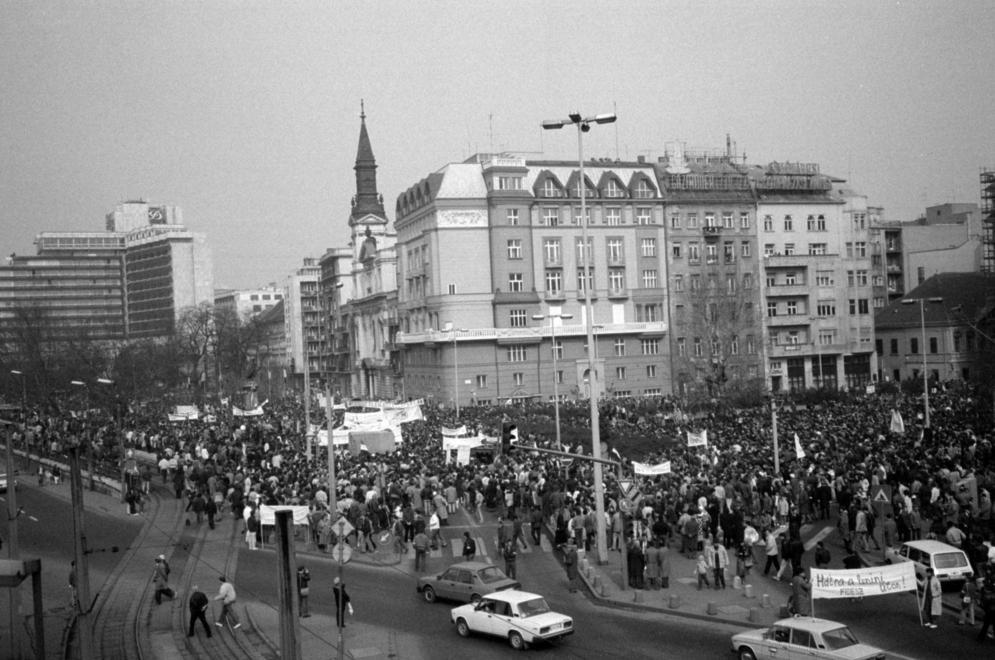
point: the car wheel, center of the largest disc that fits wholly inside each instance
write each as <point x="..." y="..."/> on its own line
<point x="746" y="653"/>
<point x="462" y="628"/>
<point x="887" y="561"/>
<point x="474" y="598"/>
<point x="516" y="641"/>
<point x="428" y="593"/>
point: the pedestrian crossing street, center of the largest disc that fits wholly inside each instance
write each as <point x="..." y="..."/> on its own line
<point x="487" y="550"/>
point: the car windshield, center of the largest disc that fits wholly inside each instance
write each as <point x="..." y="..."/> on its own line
<point x="950" y="560"/>
<point x="533" y="607"/>
<point x="491" y="574"/>
<point x="840" y="638"/>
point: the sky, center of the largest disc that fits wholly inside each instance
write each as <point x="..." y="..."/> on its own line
<point x="246" y="114"/>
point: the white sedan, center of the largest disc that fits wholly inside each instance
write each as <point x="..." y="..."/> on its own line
<point x="803" y="637"/>
<point x="518" y="616"/>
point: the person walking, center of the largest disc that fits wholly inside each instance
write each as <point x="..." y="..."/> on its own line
<point x="653" y="565"/>
<point x="801" y="603"/>
<point x="535" y="525"/>
<point x="469" y="547"/>
<point x="343" y="603"/>
<point x="303" y="589"/>
<point x="160" y="577"/>
<point x="719" y="562"/>
<point x="570" y="561"/>
<point x="227" y="596"/>
<point x="932" y="602"/>
<point x="770" y="545"/>
<point x="987" y="600"/>
<point x="511" y="559"/>
<point x="420" y="544"/>
<point x="198" y="610"/>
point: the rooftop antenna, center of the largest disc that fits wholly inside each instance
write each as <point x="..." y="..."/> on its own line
<point x="615" y="112"/>
<point x="490" y="120"/>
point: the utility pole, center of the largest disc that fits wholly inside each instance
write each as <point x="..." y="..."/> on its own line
<point x="13" y="551"/>
<point x="333" y="503"/>
<point x="290" y="646"/>
<point x="83" y="604"/>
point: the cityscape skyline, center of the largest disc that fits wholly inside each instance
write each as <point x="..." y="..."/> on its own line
<point x="257" y="107"/>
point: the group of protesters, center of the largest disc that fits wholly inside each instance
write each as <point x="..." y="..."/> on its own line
<point x="725" y="500"/>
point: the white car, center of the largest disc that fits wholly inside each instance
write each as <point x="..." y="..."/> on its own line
<point x="950" y="564"/>
<point x="518" y="616"/>
<point x="3" y="483"/>
<point x="803" y="637"/>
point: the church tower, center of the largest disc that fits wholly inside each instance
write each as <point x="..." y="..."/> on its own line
<point x="367" y="204"/>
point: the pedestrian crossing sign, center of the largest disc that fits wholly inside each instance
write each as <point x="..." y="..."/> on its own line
<point x="880" y="496"/>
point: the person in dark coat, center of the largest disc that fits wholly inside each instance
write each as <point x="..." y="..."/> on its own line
<point x="637" y="564"/>
<point x="570" y="561"/>
<point x="198" y="610"/>
<point x="342" y="602"/>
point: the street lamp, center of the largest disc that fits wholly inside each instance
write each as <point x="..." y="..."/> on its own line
<point x="922" y="325"/>
<point x="86" y="430"/>
<point x="583" y="125"/>
<point x="815" y="344"/>
<point x="450" y="327"/>
<point x="24" y="392"/>
<point x="556" y="375"/>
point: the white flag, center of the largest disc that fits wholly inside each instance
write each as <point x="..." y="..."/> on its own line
<point x="799" y="452"/>
<point x="897" y="424"/>
<point x="698" y="439"/>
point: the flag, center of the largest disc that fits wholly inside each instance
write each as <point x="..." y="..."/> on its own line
<point x="799" y="452"/>
<point x="618" y="456"/>
<point x="698" y="439"/>
<point x="897" y="425"/>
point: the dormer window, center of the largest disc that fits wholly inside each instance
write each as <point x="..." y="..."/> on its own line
<point x="643" y="189"/>
<point x="613" y="189"/>
<point x="550" y="189"/>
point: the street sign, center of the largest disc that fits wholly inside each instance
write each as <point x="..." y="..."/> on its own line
<point x="625" y="505"/>
<point x="881" y="500"/>
<point x="343" y="527"/>
<point x="341" y="552"/>
<point x="625" y="486"/>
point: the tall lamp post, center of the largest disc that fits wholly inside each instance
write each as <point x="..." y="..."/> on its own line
<point x="24" y="392"/>
<point x="922" y="327"/>
<point x="583" y="125"/>
<point x="556" y="376"/>
<point x="452" y="328"/>
<point x="86" y="430"/>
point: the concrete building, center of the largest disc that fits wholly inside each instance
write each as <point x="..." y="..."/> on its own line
<point x="713" y="267"/>
<point x="485" y="245"/>
<point x="951" y="337"/>
<point x="303" y="322"/>
<point x="247" y="303"/>
<point x="129" y="282"/>
<point x="946" y="239"/>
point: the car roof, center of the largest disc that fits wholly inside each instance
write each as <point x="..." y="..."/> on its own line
<point x="512" y="596"/>
<point x="932" y="546"/>
<point x="810" y="623"/>
<point x="472" y="565"/>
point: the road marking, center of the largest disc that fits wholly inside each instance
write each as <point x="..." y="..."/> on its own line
<point x="823" y="533"/>
<point x="33" y="518"/>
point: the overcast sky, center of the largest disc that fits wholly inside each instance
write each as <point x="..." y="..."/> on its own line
<point x="246" y="114"/>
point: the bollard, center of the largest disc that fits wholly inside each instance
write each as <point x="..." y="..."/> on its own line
<point x="598" y="584"/>
<point x="748" y="590"/>
<point x="603" y="592"/>
<point x="765" y="600"/>
<point x="737" y="582"/>
<point x="754" y="615"/>
<point x="712" y="609"/>
<point x="675" y="601"/>
<point x="637" y="595"/>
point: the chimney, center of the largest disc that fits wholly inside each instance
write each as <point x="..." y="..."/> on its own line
<point x="640" y="159"/>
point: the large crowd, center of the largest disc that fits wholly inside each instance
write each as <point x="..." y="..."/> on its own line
<point x="719" y="500"/>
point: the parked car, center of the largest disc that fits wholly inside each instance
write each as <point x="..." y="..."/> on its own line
<point x="3" y="483"/>
<point x="803" y="637"/>
<point x="465" y="581"/>
<point x="518" y="616"/>
<point x="950" y="564"/>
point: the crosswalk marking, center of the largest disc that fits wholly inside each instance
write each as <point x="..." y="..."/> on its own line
<point x="822" y="533"/>
<point x="454" y="549"/>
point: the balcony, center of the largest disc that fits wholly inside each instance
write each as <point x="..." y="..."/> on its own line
<point x="618" y="294"/>
<point x="787" y="321"/>
<point x="778" y="260"/>
<point x="711" y="233"/>
<point x="525" y="334"/>
<point x="788" y="290"/>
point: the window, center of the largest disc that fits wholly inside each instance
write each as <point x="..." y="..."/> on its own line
<point x="481" y="381"/>
<point x="768" y="223"/>
<point x="587" y="212"/>
<point x="651" y="371"/>
<point x="649" y="313"/>
<point x="647" y="247"/>
<point x="618" y="346"/>
<point x="584" y="256"/>
<point x="817" y="248"/>
<point x="771" y="280"/>
<point x="551" y="217"/>
<point x="509" y="183"/>
<point x="768" y="249"/>
<point x="613" y="189"/>
<point x="515" y="248"/>
<point x="771" y="308"/>
<point x="643" y="215"/>
<point x="934" y="346"/>
<point x="557" y="350"/>
<point x="789" y="249"/>
<point x="852" y="307"/>
<point x="554" y="282"/>
<point x="511" y="216"/>
<point x="643" y="190"/>
<point x="613" y="216"/>
<point x="694" y="252"/>
<point x="730" y="284"/>
<point x="849" y="250"/>
<point x="692" y="220"/>
<point x="792" y="307"/>
<point x="790" y="279"/>
<point x="751" y="344"/>
<point x="697" y="346"/>
<point x="914" y="345"/>
<point x="744" y="249"/>
<point x="710" y="220"/>
<point x="675" y="221"/>
<point x="584" y="279"/>
<point x="588" y="192"/>
<point x="649" y="279"/>
<point x="516" y="283"/>
<point x="824" y="278"/>
<point x="792" y="337"/>
<point x="716" y="346"/>
<point x="810" y="223"/>
<point x="788" y="223"/>
<point x="452" y="289"/>
<point x="675" y="249"/>
<point x="682" y="350"/>
<point x="696" y="282"/>
<point x="551" y="248"/>
<point x="517" y="318"/>
<point x="825" y="308"/>
<point x="747" y="281"/>
<point x="615" y="253"/>
<point x="850" y="278"/>
<point x="650" y="346"/>
<point x="519" y="378"/>
<point x="517" y="353"/>
<point x="729" y="252"/>
<point x="678" y="282"/>
<point x="744" y="220"/>
<point x="860" y="249"/>
<point x="550" y="189"/>
<point x="878" y="302"/>
<point x="820" y="223"/>
<point x="734" y="345"/>
<point x="861" y="278"/>
<point x="620" y="373"/>
<point x="727" y="220"/>
<point x="616" y="279"/>
<point x="863" y="306"/>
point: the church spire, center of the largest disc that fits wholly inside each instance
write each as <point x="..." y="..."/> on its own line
<point x="367" y="200"/>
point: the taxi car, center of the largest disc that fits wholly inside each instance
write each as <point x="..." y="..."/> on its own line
<point x="803" y="637"/>
<point x="466" y="581"/>
<point x="950" y="564"/>
<point x="520" y="617"/>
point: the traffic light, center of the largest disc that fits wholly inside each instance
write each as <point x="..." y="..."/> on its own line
<point x="509" y="436"/>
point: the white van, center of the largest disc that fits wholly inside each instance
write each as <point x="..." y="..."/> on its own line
<point x="948" y="563"/>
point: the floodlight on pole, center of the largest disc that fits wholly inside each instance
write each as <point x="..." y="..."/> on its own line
<point x="583" y="125"/>
<point x="922" y="325"/>
<point x="556" y="375"/>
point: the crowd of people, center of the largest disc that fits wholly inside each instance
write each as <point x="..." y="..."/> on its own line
<point x="728" y="504"/>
